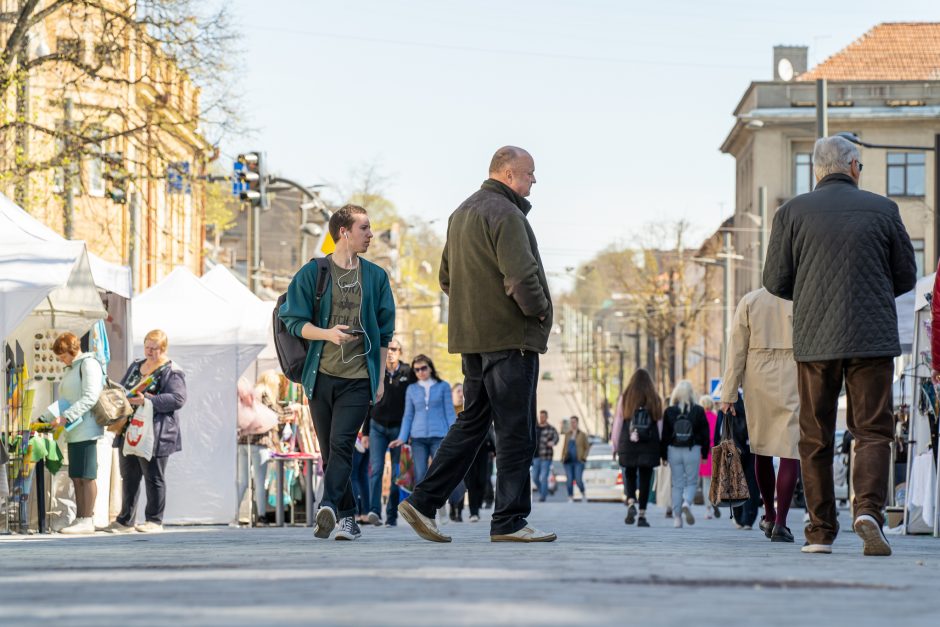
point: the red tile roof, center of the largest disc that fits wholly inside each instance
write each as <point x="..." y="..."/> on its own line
<point x="896" y="51"/>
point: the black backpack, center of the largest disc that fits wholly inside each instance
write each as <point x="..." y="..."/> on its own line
<point x="643" y="424"/>
<point x="682" y="431"/>
<point x="292" y="350"/>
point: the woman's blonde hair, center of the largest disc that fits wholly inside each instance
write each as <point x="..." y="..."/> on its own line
<point x="707" y="402"/>
<point x="683" y="395"/>
<point x="157" y="336"/>
<point x="67" y="343"/>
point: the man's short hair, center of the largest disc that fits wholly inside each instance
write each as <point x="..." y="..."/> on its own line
<point x="833" y="155"/>
<point x="504" y="158"/>
<point x="345" y="217"/>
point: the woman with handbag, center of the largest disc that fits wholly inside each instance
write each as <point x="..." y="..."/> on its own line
<point x="685" y="444"/>
<point x="636" y="438"/>
<point x="159" y="380"/>
<point x="81" y="385"/>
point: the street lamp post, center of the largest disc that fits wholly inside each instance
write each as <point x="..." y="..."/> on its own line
<point x="935" y="149"/>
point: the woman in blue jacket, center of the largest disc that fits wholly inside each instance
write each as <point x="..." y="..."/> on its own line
<point x="429" y="413"/>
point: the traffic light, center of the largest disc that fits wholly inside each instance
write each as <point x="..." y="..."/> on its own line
<point x="116" y="175"/>
<point x="250" y="170"/>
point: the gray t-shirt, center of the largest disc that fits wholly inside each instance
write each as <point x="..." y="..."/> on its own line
<point x="347" y="361"/>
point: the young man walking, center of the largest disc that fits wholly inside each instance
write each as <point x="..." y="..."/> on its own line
<point x="547" y="438"/>
<point x="345" y="368"/>
<point x="499" y="321"/>
<point x="381" y="427"/>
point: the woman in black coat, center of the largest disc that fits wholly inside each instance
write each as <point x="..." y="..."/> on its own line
<point x="636" y="436"/>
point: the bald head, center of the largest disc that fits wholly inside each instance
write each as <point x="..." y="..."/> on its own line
<point x="515" y="168"/>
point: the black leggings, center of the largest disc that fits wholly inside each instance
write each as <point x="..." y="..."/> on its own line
<point x="645" y="482"/>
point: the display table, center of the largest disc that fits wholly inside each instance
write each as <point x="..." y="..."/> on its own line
<point x="280" y="459"/>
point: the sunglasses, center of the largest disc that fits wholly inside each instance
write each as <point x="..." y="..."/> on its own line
<point x="422" y="368"/>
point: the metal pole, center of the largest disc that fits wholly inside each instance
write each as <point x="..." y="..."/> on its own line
<point x="22" y="114"/>
<point x="726" y="302"/>
<point x="68" y="172"/>
<point x="250" y="261"/>
<point x="132" y="239"/>
<point x="764" y="229"/>
<point x="303" y="236"/>
<point x="822" y="108"/>
<point x="256" y="245"/>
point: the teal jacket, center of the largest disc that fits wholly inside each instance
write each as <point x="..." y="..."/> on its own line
<point x="378" y="316"/>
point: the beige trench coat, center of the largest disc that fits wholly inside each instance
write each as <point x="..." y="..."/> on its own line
<point x="760" y="360"/>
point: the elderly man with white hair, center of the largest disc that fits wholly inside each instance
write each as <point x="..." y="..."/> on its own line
<point x="842" y="255"/>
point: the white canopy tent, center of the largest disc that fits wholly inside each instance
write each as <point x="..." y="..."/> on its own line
<point x="207" y="341"/>
<point x="255" y="314"/>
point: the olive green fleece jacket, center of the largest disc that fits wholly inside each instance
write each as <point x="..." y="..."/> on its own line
<point x="491" y="269"/>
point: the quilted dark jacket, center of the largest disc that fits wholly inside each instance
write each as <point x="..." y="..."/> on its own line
<point x="842" y="255"/>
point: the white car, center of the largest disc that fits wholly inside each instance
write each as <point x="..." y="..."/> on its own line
<point x="603" y="478"/>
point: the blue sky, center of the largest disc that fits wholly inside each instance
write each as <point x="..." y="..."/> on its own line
<point x="622" y="104"/>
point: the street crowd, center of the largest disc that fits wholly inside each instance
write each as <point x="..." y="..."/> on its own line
<point x="825" y="318"/>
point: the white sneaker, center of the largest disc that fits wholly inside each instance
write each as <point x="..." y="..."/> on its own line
<point x="687" y="512"/>
<point x="326" y="522"/>
<point x="873" y="538"/>
<point x="677" y="522"/>
<point x="474" y="518"/>
<point x="375" y="519"/>
<point x="81" y="526"/>
<point x="825" y="549"/>
<point x="117" y="527"/>
<point x="571" y="499"/>
<point x="423" y="526"/>
<point x="442" y="518"/>
<point x="150" y="527"/>
<point x="526" y="534"/>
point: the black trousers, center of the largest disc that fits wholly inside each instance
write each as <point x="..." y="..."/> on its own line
<point x="499" y="388"/>
<point x="153" y="473"/>
<point x="477" y="479"/>
<point x="645" y="474"/>
<point x="339" y="407"/>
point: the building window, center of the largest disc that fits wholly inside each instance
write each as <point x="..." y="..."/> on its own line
<point x="919" y="257"/>
<point x="70" y="48"/>
<point x="802" y="173"/>
<point x="94" y="171"/>
<point x="906" y="173"/>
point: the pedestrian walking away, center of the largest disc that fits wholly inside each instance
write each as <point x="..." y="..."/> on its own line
<point x="157" y="379"/>
<point x="547" y="437"/>
<point x="636" y="436"/>
<point x="574" y="454"/>
<point x="705" y="468"/>
<point x="842" y="255"/>
<point x="760" y="359"/>
<point x="382" y="427"/>
<point x="685" y="443"/>
<point x="499" y="320"/>
<point x="345" y="367"/>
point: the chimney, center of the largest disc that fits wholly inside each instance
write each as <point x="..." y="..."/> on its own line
<point x="789" y="62"/>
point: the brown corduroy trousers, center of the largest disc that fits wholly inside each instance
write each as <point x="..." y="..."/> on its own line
<point x="869" y="395"/>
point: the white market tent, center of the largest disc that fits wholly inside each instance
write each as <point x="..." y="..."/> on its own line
<point x="207" y="342"/>
<point x="255" y="314"/>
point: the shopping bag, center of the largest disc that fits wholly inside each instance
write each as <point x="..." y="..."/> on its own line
<point x="406" y="473"/>
<point x="729" y="485"/>
<point x="138" y="439"/>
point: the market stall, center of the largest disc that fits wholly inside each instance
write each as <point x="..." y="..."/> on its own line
<point x="207" y="341"/>
<point x="921" y="513"/>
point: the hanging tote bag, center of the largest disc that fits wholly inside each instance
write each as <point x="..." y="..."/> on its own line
<point x="112" y="406"/>
<point x="729" y="486"/>
<point x="406" y="473"/>
<point x="138" y="439"/>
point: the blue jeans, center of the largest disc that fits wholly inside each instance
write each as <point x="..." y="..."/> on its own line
<point x="360" y="481"/>
<point x="684" y="463"/>
<point x="575" y="472"/>
<point x="540" y="470"/>
<point x="424" y="449"/>
<point x="379" y="437"/>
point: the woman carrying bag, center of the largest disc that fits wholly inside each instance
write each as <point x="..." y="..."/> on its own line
<point x="160" y="381"/>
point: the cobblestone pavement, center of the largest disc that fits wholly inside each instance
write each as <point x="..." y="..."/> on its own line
<point x="599" y="572"/>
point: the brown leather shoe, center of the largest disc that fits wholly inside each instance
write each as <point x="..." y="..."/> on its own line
<point x="526" y="534"/>
<point x="423" y="526"/>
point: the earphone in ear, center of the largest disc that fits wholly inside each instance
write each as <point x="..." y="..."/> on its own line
<point x="346" y="235"/>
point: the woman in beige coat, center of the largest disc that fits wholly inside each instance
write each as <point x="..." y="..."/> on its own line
<point x="760" y="359"/>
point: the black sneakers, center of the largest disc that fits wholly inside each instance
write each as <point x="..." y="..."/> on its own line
<point x="348" y="529"/>
<point x="631" y="515"/>
<point x="326" y="521"/>
<point x="781" y="534"/>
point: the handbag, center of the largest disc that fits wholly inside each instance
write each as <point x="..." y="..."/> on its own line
<point x="112" y="406"/>
<point x="729" y="485"/>
<point x="406" y="472"/>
